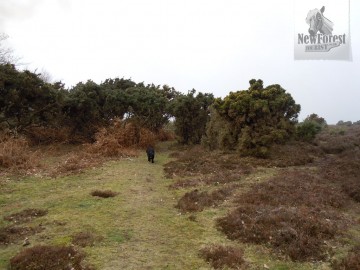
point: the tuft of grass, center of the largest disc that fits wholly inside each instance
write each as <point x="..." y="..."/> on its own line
<point x="196" y="201"/>
<point x="221" y="256"/>
<point x="26" y="215"/>
<point x="84" y="239"/>
<point x="119" y="236"/>
<point x="104" y="193"/>
<point x="14" y="234"/>
<point x="49" y="257"/>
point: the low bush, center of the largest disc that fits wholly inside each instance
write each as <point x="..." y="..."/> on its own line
<point x="307" y="130"/>
<point x="296" y="232"/>
<point x="294" y="213"/>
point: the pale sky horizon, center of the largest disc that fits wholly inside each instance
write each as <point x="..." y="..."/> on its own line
<point x="210" y="45"/>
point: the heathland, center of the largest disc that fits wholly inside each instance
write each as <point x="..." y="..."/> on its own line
<point x="192" y="209"/>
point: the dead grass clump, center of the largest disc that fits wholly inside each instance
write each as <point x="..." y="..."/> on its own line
<point x="26" y="215"/>
<point x="165" y="135"/>
<point x="16" y="155"/>
<point x="84" y="239"/>
<point x="48" y="135"/>
<point x="13" y="234"/>
<point x="108" y="144"/>
<point x="220" y="256"/>
<point x="350" y="262"/>
<point x="104" y="193"/>
<point x="296" y="232"/>
<point x="49" y="257"/>
<point x="120" y="139"/>
<point x="195" y="201"/>
<point x="76" y="163"/>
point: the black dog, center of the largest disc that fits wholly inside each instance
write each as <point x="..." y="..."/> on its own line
<point x="150" y="153"/>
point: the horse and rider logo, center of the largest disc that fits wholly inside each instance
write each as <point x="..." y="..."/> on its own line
<point x="320" y="38"/>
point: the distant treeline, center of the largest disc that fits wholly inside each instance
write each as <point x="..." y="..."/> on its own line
<point x="27" y="101"/>
<point x="249" y="121"/>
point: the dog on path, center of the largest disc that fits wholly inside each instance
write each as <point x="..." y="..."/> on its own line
<point x="150" y="153"/>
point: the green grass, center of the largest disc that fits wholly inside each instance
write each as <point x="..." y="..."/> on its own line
<point x="139" y="228"/>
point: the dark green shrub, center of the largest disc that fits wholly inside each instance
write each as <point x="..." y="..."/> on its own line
<point x="307" y="130"/>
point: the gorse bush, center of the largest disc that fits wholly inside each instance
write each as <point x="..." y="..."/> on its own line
<point x="252" y="120"/>
<point x="191" y="114"/>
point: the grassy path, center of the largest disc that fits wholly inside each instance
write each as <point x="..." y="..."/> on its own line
<point x="139" y="228"/>
<point x="156" y="237"/>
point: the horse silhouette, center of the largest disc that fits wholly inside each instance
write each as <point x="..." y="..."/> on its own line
<point x="318" y="22"/>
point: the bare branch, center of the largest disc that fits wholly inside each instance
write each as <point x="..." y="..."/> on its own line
<point x="6" y="53"/>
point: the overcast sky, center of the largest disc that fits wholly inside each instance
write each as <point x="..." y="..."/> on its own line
<point x="211" y="45"/>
